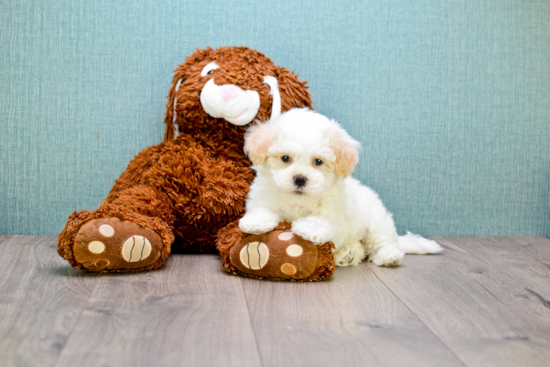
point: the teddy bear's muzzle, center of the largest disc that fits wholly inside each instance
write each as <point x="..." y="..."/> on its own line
<point x="230" y="102"/>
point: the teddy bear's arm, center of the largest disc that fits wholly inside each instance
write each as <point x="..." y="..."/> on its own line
<point x="204" y="189"/>
<point x="133" y="174"/>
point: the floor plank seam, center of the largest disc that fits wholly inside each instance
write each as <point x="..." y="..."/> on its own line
<point x="74" y="326"/>
<point x="543" y="301"/>
<point x="480" y="259"/>
<point x="420" y="319"/>
<point x="525" y="252"/>
<point x="510" y="238"/>
<point x="252" y="323"/>
<point x="483" y="260"/>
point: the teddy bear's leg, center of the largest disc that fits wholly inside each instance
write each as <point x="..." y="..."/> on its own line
<point x="279" y="254"/>
<point x="133" y="232"/>
<point x="205" y="192"/>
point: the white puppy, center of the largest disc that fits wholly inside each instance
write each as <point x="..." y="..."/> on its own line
<point x="303" y="161"/>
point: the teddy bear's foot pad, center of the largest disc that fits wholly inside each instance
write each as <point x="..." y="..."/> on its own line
<point x="110" y="244"/>
<point x="279" y="254"/>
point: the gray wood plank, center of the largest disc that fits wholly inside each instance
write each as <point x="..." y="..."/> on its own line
<point x="536" y="246"/>
<point x="351" y="320"/>
<point x="4" y="238"/>
<point x="484" y="315"/>
<point x="41" y="299"/>
<point x="484" y="300"/>
<point x="189" y="313"/>
<point x="527" y="260"/>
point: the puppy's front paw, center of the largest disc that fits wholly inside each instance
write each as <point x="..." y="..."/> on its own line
<point x="258" y="222"/>
<point x="388" y="256"/>
<point x="314" y="229"/>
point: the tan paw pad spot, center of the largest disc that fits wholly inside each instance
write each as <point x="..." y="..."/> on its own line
<point x="106" y="230"/>
<point x="96" y="247"/>
<point x="288" y="269"/>
<point x="285" y="236"/>
<point x="294" y="250"/>
<point x="136" y="248"/>
<point x="254" y="255"/>
<point x="101" y="263"/>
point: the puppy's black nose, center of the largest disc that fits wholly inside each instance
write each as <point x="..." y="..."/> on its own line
<point x="300" y="180"/>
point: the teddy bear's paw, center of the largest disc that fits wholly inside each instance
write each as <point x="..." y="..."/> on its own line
<point x="110" y="244"/>
<point x="279" y="254"/>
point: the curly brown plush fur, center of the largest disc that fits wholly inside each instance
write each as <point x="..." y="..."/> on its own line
<point x="193" y="185"/>
<point x="231" y="236"/>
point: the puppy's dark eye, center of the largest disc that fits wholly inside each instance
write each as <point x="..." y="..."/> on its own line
<point x="285" y="158"/>
<point x="317" y="162"/>
<point x="211" y="72"/>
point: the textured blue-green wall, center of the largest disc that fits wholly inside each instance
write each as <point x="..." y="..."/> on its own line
<point x="451" y="99"/>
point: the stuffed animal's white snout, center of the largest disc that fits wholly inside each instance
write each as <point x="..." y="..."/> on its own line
<point x="230" y="102"/>
<point x="234" y="104"/>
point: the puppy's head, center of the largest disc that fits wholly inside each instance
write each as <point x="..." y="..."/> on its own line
<point x="303" y="152"/>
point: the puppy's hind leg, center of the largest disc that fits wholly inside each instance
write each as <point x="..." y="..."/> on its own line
<point x="387" y="256"/>
<point x="349" y="254"/>
<point x="381" y="243"/>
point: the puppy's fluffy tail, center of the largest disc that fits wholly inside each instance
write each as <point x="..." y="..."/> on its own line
<point x="418" y="245"/>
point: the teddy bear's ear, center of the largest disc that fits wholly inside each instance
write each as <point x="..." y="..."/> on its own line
<point x="293" y="92"/>
<point x="257" y="141"/>
<point x="346" y="150"/>
<point x="170" y="119"/>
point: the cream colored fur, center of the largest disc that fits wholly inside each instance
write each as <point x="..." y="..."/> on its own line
<point x="331" y="205"/>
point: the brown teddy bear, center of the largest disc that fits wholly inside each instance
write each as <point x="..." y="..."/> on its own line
<point x="193" y="186"/>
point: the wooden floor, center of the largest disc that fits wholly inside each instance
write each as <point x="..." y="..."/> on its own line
<point x="485" y="301"/>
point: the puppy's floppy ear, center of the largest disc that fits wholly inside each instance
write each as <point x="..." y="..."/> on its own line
<point x="346" y="150"/>
<point x="257" y="141"/>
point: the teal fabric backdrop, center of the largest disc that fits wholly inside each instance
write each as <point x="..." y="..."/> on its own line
<point x="450" y="99"/>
